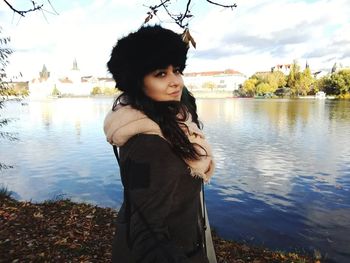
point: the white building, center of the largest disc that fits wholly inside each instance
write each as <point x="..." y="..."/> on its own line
<point x="227" y="80"/>
<point x="71" y="84"/>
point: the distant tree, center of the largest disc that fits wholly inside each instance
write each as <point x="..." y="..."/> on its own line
<point x="321" y="84"/>
<point x="249" y="86"/>
<point x="306" y="81"/>
<point x="55" y="91"/>
<point x="109" y="91"/>
<point x="264" y="88"/>
<point x="341" y="81"/>
<point x="264" y="83"/>
<point x="293" y="79"/>
<point x="17" y="89"/>
<point x="96" y="91"/>
<point x="208" y="85"/>
<point x="280" y="78"/>
<point x="337" y="83"/>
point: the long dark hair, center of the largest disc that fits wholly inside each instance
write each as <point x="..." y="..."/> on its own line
<point x="169" y="115"/>
<point x="136" y="55"/>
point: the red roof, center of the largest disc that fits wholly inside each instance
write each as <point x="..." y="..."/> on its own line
<point x="65" y="80"/>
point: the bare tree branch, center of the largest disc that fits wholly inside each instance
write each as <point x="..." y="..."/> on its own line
<point x="36" y="7"/>
<point x="23" y="12"/>
<point x="161" y="4"/>
<point x="226" y="6"/>
<point x="53" y="9"/>
<point x="181" y="19"/>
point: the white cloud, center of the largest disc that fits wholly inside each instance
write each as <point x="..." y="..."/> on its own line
<point x="258" y="34"/>
<point x="252" y="37"/>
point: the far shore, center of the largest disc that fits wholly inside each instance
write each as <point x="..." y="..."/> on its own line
<point x="198" y="94"/>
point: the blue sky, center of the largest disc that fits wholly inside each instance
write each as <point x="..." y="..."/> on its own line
<point x="255" y="36"/>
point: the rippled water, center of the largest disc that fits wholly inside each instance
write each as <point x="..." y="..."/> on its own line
<point x="282" y="178"/>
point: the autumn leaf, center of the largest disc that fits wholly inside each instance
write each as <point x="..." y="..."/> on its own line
<point x="38" y="215"/>
<point x="148" y="18"/>
<point x="187" y="38"/>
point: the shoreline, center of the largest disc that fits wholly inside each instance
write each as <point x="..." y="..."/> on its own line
<point x="79" y="232"/>
<point x="198" y="94"/>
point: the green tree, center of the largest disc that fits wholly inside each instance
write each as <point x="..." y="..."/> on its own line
<point x="263" y="83"/>
<point x="55" y="91"/>
<point x="5" y="52"/>
<point x="109" y="91"/>
<point x="264" y="88"/>
<point x="96" y="91"/>
<point x="208" y="85"/>
<point x="306" y="81"/>
<point x="341" y="81"/>
<point x="249" y="87"/>
<point x="278" y="79"/>
<point x="323" y="84"/>
<point x="293" y="79"/>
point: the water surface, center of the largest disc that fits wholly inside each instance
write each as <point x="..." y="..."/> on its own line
<point x="282" y="178"/>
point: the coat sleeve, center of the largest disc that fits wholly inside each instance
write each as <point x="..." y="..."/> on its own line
<point x="150" y="181"/>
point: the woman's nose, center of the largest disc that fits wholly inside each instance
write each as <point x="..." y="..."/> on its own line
<point x="174" y="79"/>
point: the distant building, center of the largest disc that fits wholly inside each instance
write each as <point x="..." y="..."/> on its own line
<point x="44" y="74"/>
<point x="262" y="73"/>
<point x="101" y="82"/>
<point x="71" y="83"/>
<point x="337" y="67"/>
<point x="285" y="68"/>
<point x="229" y="80"/>
<point x="43" y="85"/>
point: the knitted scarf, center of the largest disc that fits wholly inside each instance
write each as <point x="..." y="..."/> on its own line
<point x="125" y="122"/>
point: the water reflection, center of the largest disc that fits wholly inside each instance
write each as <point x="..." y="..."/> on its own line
<point x="280" y="158"/>
<point x="282" y="178"/>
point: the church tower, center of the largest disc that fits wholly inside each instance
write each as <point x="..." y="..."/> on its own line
<point x="75" y="72"/>
<point x="44" y="74"/>
<point x="75" y="64"/>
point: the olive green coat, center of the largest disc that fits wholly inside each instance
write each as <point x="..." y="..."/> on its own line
<point x="160" y="219"/>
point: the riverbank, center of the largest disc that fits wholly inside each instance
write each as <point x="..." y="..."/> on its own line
<point x="64" y="231"/>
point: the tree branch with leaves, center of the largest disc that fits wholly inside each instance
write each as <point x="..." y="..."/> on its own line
<point x="5" y="52"/>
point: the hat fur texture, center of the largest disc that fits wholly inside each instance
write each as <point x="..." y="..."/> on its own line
<point x="143" y="51"/>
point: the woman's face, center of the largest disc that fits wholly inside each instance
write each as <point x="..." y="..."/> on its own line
<point x="164" y="84"/>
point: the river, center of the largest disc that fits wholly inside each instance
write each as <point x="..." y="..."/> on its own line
<point x="282" y="178"/>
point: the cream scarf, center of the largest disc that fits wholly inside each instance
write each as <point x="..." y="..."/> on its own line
<point x="125" y="122"/>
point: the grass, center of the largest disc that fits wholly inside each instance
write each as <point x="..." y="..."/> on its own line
<point x="5" y="193"/>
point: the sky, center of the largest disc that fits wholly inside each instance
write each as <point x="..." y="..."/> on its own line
<point x="255" y="36"/>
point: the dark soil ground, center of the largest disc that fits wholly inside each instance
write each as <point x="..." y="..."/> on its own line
<point x="64" y="231"/>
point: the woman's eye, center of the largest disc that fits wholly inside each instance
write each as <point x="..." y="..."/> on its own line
<point x="160" y="74"/>
<point x="178" y="71"/>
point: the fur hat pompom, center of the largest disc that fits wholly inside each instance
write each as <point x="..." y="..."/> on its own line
<point x="143" y="51"/>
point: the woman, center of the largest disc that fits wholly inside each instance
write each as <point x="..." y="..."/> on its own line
<point x="164" y="157"/>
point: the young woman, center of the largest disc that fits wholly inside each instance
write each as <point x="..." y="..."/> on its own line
<point x="164" y="157"/>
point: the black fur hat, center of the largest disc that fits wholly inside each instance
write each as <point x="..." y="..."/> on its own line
<point x="143" y="51"/>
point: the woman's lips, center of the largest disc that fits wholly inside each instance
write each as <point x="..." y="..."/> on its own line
<point x="175" y="93"/>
